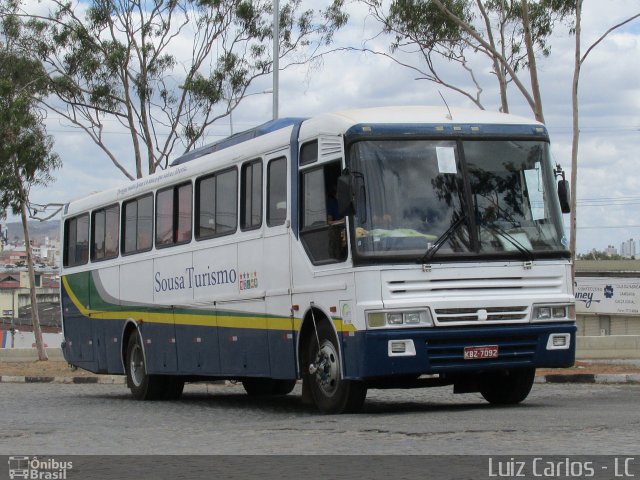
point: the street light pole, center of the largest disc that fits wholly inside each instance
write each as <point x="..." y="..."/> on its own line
<point x="276" y="55"/>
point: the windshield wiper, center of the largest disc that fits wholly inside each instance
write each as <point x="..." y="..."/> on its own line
<point x="442" y="239"/>
<point x="497" y="229"/>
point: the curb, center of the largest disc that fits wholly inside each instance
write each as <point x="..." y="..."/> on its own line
<point x="584" y="378"/>
<point x="102" y="379"/>
<point x="602" y="378"/>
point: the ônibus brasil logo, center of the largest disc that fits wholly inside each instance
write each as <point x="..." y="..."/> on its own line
<point x="38" y="468"/>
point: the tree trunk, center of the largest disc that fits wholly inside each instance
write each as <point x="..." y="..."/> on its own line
<point x="533" y="69"/>
<point x="35" y="318"/>
<point x="574" y="144"/>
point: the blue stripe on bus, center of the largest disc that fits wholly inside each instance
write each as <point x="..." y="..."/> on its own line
<point x="448" y="130"/>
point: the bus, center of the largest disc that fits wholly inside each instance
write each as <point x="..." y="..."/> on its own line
<point x="374" y="248"/>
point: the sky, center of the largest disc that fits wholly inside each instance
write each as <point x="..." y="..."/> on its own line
<point x="608" y="191"/>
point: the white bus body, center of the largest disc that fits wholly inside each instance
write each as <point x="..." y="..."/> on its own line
<point x="362" y="249"/>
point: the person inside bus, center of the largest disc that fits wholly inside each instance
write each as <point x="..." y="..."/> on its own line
<point x="333" y="212"/>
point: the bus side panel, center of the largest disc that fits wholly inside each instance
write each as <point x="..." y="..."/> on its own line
<point x="243" y="340"/>
<point x="244" y="347"/>
<point x="198" y="351"/>
<point x="282" y="347"/>
<point x="104" y="297"/>
<point x="78" y="326"/>
<point x="159" y="340"/>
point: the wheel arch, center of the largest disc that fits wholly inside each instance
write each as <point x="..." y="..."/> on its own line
<point x="130" y="326"/>
<point x="307" y="330"/>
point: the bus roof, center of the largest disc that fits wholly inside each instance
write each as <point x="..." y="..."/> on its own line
<point x="277" y="134"/>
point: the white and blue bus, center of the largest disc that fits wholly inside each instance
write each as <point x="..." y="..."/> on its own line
<point x="375" y="248"/>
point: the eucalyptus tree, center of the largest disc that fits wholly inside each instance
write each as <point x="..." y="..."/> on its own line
<point x="163" y="70"/>
<point x="579" y="59"/>
<point x="508" y="34"/>
<point x="26" y="158"/>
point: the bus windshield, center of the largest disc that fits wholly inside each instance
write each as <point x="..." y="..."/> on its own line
<point x="418" y="198"/>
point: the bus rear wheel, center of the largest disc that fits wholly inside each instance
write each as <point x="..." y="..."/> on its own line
<point x="507" y="388"/>
<point x="142" y="385"/>
<point x="267" y="386"/>
<point x="330" y="392"/>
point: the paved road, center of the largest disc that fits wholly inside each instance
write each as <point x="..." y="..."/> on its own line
<point x="100" y="419"/>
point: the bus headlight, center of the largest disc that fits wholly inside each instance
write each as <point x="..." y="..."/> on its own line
<point x="412" y="318"/>
<point x="553" y="313"/>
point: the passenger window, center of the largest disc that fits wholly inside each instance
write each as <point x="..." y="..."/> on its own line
<point x="277" y="192"/>
<point x="76" y="241"/>
<point x="217" y="204"/>
<point x="105" y="226"/>
<point x="173" y="215"/>
<point x="251" y="196"/>
<point x="323" y="232"/>
<point x="137" y="231"/>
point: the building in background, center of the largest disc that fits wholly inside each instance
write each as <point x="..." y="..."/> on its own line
<point x="15" y="301"/>
<point x="628" y="249"/>
<point x="607" y="294"/>
<point x="611" y="250"/>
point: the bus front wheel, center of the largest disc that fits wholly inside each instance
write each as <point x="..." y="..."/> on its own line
<point x="330" y="392"/>
<point x="507" y="388"/>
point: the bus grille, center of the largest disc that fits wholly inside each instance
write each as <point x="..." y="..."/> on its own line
<point x="450" y="287"/>
<point x="489" y="314"/>
<point x="516" y="350"/>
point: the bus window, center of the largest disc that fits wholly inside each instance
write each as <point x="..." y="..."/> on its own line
<point x="173" y="215"/>
<point x="137" y="232"/>
<point x="144" y="234"/>
<point x="251" y="196"/>
<point x="217" y="204"/>
<point x="277" y="192"/>
<point x="323" y="234"/>
<point x="309" y="153"/>
<point x="104" y="233"/>
<point x="76" y="241"/>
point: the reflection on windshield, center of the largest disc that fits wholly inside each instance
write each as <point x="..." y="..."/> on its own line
<point x="510" y="185"/>
<point x="413" y="195"/>
<point x="410" y="193"/>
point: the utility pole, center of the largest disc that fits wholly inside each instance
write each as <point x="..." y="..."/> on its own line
<point x="276" y="55"/>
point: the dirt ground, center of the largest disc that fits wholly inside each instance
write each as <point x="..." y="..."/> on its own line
<point x="53" y="368"/>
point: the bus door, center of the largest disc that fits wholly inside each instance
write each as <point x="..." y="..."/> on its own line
<point x="277" y="263"/>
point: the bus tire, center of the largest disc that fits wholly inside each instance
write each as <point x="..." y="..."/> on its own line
<point x="267" y="386"/>
<point x="331" y="393"/>
<point x="507" y="388"/>
<point x="142" y="385"/>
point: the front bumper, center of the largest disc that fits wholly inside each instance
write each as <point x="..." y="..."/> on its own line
<point x="441" y="350"/>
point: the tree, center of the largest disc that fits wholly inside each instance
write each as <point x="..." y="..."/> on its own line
<point x="164" y="70"/>
<point x="579" y="60"/>
<point x="509" y="33"/>
<point x="26" y="159"/>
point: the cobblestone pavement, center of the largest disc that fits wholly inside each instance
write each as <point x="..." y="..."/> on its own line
<point x="221" y="419"/>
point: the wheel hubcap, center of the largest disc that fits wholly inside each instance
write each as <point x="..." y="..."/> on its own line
<point x="137" y="365"/>
<point x="328" y="371"/>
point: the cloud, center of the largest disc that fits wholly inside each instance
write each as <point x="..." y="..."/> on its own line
<point x="609" y="106"/>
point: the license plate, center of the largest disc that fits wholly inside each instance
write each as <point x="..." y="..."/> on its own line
<point x="479" y="353"/>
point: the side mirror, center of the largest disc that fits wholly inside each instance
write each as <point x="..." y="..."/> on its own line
<point x="564" y="196"/>
<point x="344" y="194"/>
